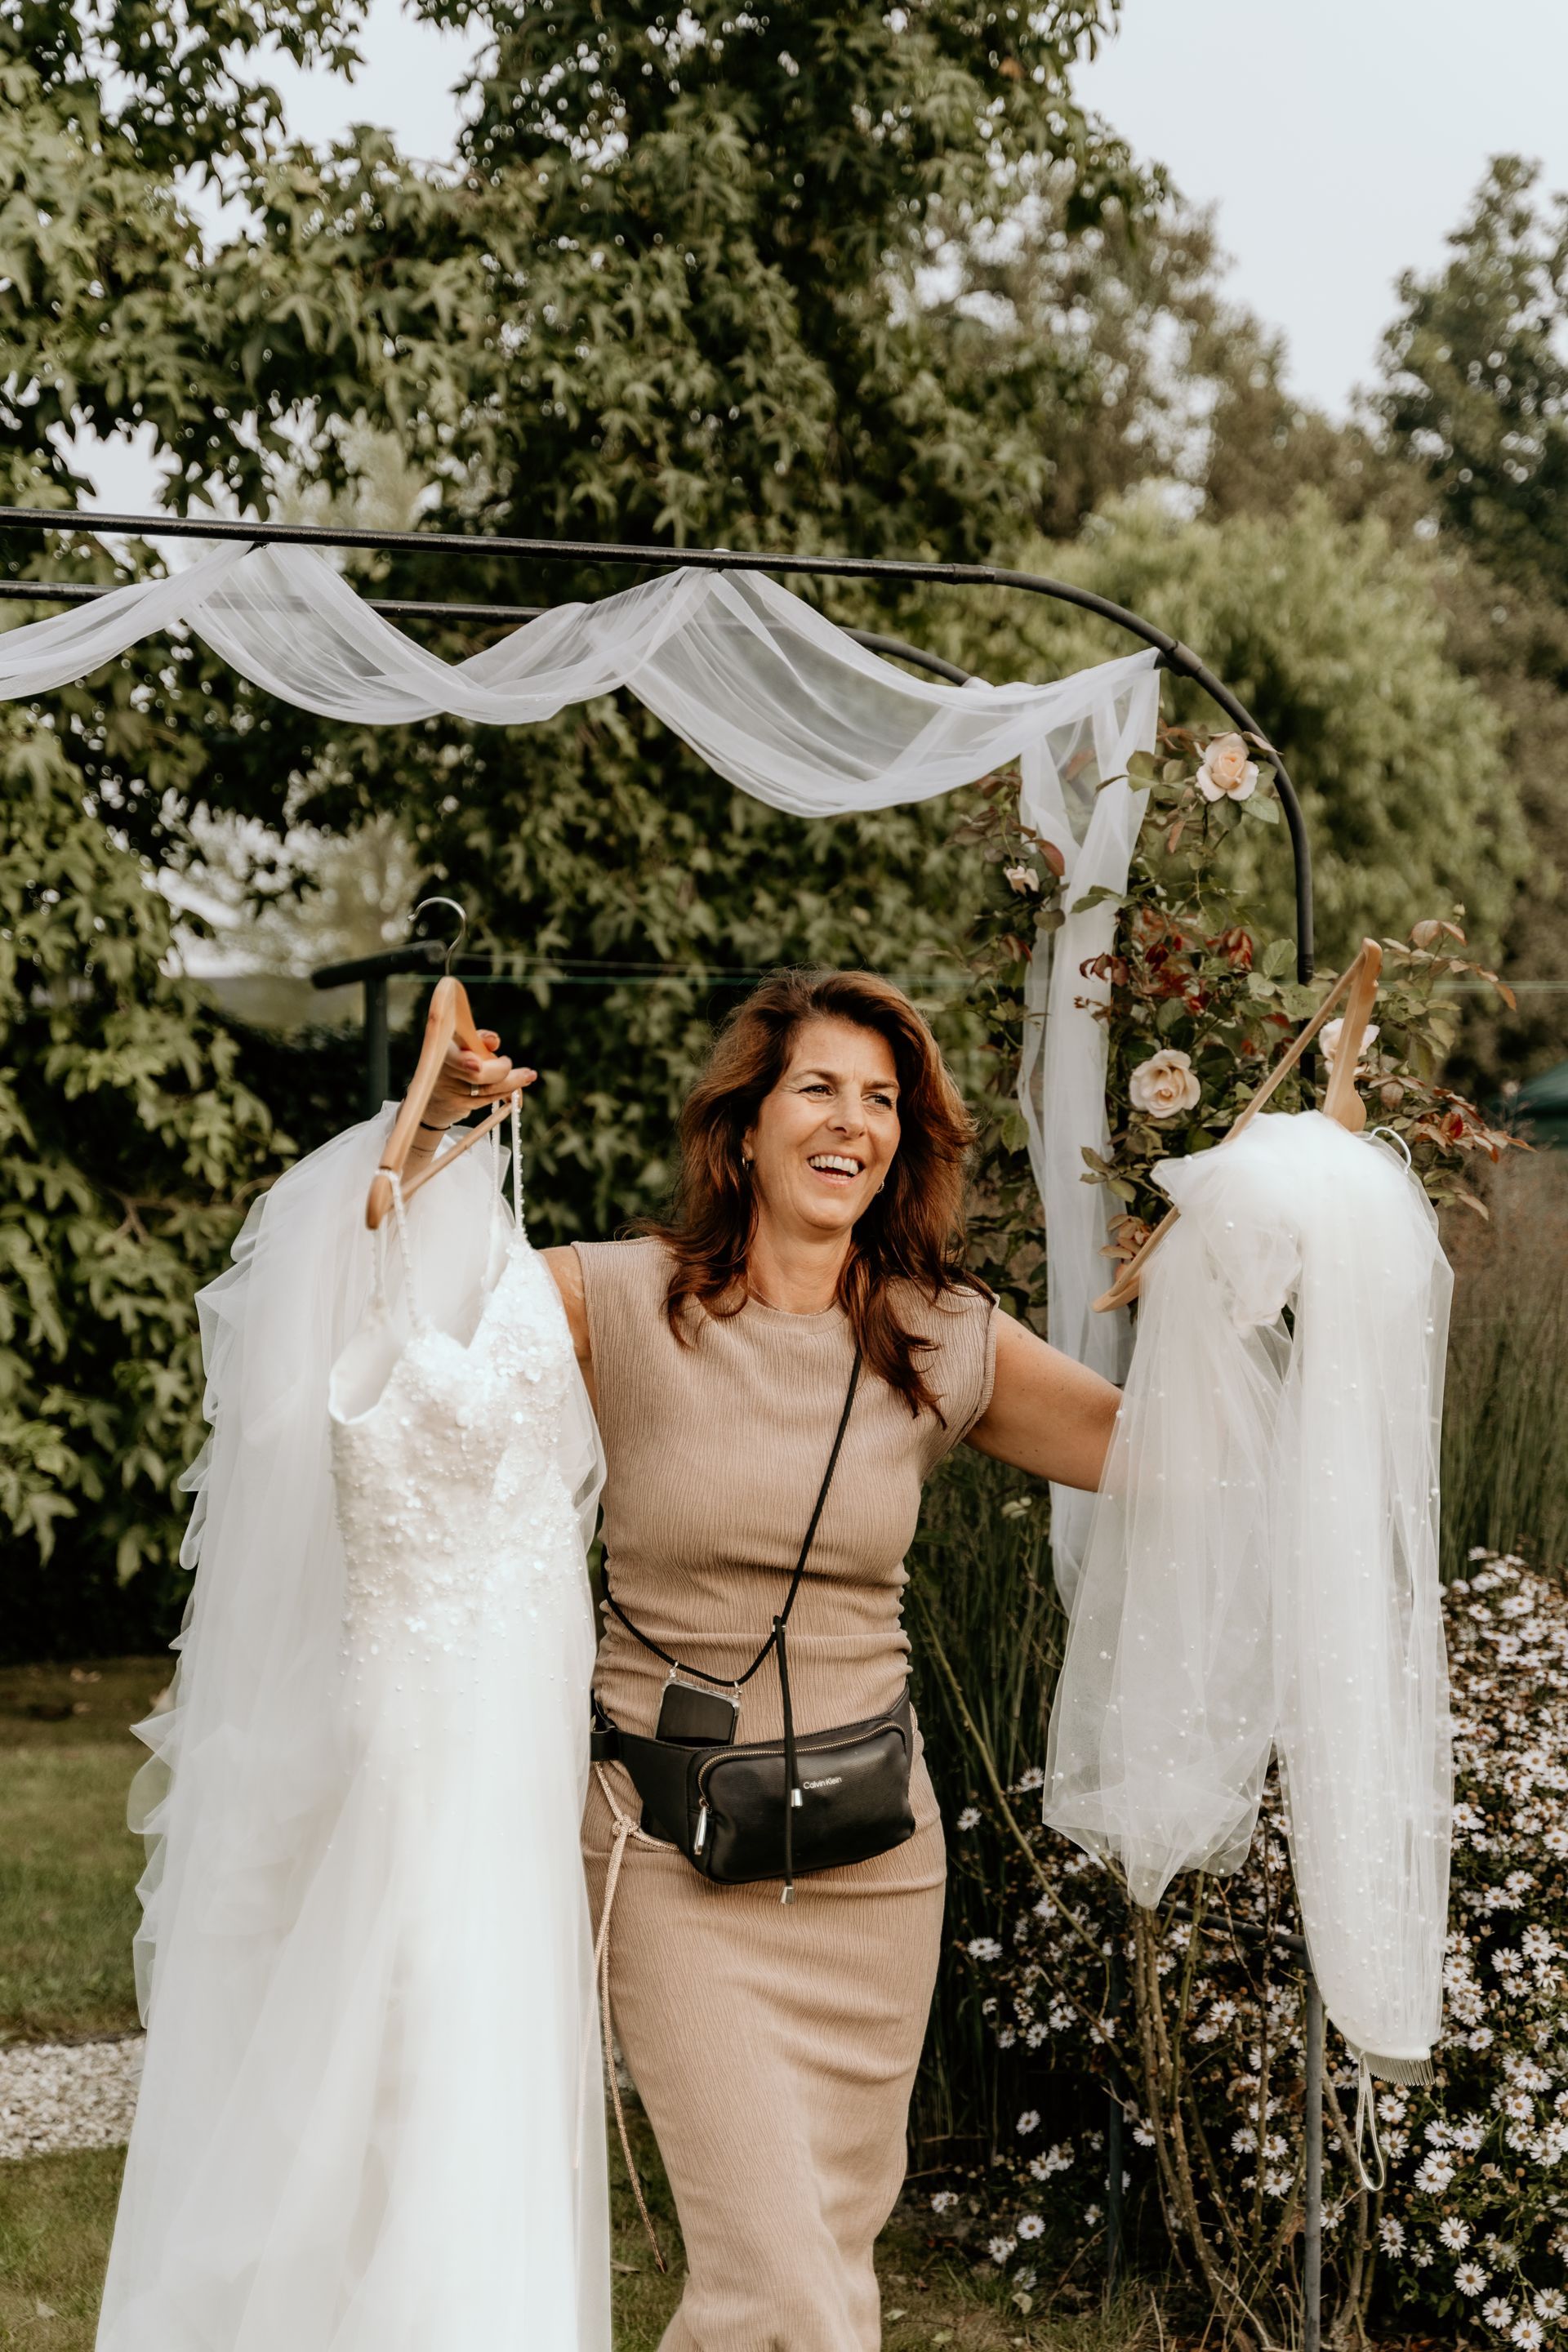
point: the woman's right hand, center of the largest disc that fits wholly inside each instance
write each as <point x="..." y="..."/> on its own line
<point x="469" y="1082"/>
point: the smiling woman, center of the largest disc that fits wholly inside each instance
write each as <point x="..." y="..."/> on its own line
<point x="817" y="1241"/>
<point x="822" y="1163"/>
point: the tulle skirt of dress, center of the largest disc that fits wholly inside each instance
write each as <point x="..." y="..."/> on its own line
<point x="409" y="2156"/>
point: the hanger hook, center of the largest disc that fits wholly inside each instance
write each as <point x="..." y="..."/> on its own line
<point x="455" y="941"/>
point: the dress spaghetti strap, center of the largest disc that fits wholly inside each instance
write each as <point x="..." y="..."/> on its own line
<point x="400" y="1222"/>
<point x="516" y="1167"/>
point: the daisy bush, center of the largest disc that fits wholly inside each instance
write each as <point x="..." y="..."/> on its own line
<point x="1474" y="2225"/>
<point x="1193" y="2020"/>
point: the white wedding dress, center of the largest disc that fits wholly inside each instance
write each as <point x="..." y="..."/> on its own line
<point x="372" y="2111"/>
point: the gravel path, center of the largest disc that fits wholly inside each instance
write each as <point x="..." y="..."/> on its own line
<point x="63" y="2094"/>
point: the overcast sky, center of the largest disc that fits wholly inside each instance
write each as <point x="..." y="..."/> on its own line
<point x="1340" y="142"/>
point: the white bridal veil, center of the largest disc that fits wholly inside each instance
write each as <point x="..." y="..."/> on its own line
<point x="1262" y="1568"/>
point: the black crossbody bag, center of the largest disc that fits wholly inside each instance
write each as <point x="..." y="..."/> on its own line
<point x="770" y="1807"/>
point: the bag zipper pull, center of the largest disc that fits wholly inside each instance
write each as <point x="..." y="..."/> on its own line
<point x="700" y="1839"/>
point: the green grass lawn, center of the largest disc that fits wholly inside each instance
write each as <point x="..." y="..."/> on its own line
<point x="68" y="1909"/>
<point x="69" y="1866"/>
<point x="57" y="2212"/>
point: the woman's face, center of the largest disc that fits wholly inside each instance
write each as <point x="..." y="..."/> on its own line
<point x="826" y="1136"/>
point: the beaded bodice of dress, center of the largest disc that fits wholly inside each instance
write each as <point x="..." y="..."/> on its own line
<point x="449" y="1487"/>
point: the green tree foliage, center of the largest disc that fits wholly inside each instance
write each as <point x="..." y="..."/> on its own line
<point x="1477" y="382"/>
<point x="130" y="1137"/>
<point x="106" y="309"/>
<point x="673" y="289"/>
<point x="129" y="1143"/>
<point x="1330" y="617"/>
<point x="1513" y="643"/>
<point x="1464" y="441"/>
<point x="675" y="293"/>
<point x="1475" y="408"/>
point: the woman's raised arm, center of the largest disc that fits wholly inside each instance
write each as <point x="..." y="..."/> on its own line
<point x="1046" y="1413"/>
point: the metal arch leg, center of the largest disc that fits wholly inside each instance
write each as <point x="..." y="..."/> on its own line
<point x="377" y="1045"/>
<point x="1115" y="2159"/>
<point x="1313" y="2215"/>
<point x="1115" y="2146"/>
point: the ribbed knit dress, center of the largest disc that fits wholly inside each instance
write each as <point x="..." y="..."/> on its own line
<point x="773" y="2047"/>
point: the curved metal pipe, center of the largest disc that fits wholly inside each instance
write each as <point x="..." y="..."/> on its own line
<point x="1174" y="655"/>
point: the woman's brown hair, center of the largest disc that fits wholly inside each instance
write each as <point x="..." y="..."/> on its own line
<point x="913" y="1230"/>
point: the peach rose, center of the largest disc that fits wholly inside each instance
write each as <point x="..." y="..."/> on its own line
<point x="1226" y="773"/>
<point x="1022" y="878"/>
<point x="1165" y="1085"/>
<point x="1328" y="1041"/>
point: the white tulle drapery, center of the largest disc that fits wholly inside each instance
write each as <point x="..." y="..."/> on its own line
<point x="1262" y="1573"/>
<point x="1082" y="801"/>
<point x="784" y="705"/>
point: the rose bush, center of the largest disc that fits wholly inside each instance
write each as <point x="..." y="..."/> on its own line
<point x="1194" y="986"/>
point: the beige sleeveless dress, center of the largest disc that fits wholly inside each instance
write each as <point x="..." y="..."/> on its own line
<point x="772" y="2047"/>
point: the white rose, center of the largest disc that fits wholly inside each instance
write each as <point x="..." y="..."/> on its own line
<point x="1022" y="878"/>
<point x="1164" y="1085"/>
<point x="1226" y="773"/>
<point x="1333" y="1030"/>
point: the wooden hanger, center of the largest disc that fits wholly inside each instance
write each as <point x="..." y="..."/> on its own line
<point x="1341" y="1102"/>
<point x="450" y="1018"/>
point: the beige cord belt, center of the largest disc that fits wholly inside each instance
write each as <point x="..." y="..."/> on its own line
<point x="625" y="1828"/>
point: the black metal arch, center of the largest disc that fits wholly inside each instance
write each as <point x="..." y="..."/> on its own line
<point x="1173" y="655"/>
